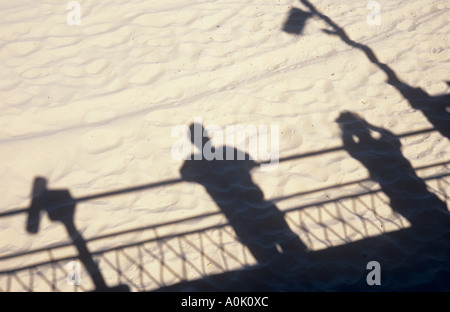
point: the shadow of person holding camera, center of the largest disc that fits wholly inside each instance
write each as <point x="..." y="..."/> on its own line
<point x="380" y="152"/>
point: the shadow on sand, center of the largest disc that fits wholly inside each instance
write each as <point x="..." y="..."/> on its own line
<point x="258" y="224"/>
<point x="415" y="258"/>
<point x="411" y="259"/>
<point x="380" y="152"/>
<point x="435" y="108"/>
<point x="60" y="207"/>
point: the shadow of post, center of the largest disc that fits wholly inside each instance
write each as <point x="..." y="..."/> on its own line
<point x="60" y="207"/>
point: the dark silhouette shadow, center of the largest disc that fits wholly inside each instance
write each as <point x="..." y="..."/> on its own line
<point x="296" y="21"/>
<point x="210" y="214"/>
<point x="137" y="188"/>
<point x="335" y="268"/>
<point x="418" y="253"/>
<point x="412" y="259"/>
<point x="383" y="158"/>
<point x="258" y="223"/>
<point x="60" y="207"/>
<point x="435" y="108"/>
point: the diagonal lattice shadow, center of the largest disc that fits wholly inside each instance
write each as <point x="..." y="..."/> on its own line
<point x="197" y="269"/>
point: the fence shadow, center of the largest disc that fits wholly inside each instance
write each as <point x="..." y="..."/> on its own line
<point x="380" y="152"/>
<point x="206" y="257"/>
<point x="413" y="257"/>
<point x="60" y="207"/>
<point x="408" y="195"/>
<point x="258" y="223"/>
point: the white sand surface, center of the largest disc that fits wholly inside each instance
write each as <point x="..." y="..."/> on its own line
<point x="91" y="109"/>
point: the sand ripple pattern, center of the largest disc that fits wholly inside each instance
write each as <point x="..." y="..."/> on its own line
<point x="91" y="108"/>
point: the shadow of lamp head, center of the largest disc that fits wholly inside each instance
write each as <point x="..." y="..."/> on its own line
<point x="296" y="21"/>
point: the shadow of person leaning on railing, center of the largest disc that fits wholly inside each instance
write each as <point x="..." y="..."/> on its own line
<point x="60" y="207"/>
<point x="258" y="223"/>
<point x="412" y="259"/>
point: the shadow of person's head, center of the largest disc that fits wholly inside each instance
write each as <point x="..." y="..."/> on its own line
<point x="198" y="135"/>
<point x="350" y="119"/>
<point x="350" y="122"/>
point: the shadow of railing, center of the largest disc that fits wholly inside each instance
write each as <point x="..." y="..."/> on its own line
<point x="16" y="211"/>
<point x="206" y="257"/>
<point x="162" y="258"/>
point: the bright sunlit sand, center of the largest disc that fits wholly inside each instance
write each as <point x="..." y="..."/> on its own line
<point x="90" y="99"/>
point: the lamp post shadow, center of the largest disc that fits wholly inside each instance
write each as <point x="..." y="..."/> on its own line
<point x="436" y="109"/>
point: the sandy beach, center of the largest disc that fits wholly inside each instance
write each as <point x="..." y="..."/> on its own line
<point x="341" y="110"/>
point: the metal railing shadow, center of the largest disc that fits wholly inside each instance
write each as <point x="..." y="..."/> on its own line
<point x="16" y="211"/>
<point x="159" y="261"/>
<point x="194" y="254"/>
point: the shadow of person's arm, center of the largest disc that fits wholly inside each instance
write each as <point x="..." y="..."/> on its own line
<point x="385" y="135"/>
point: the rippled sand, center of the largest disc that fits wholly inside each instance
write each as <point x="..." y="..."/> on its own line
<point x="91" y="108"/>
